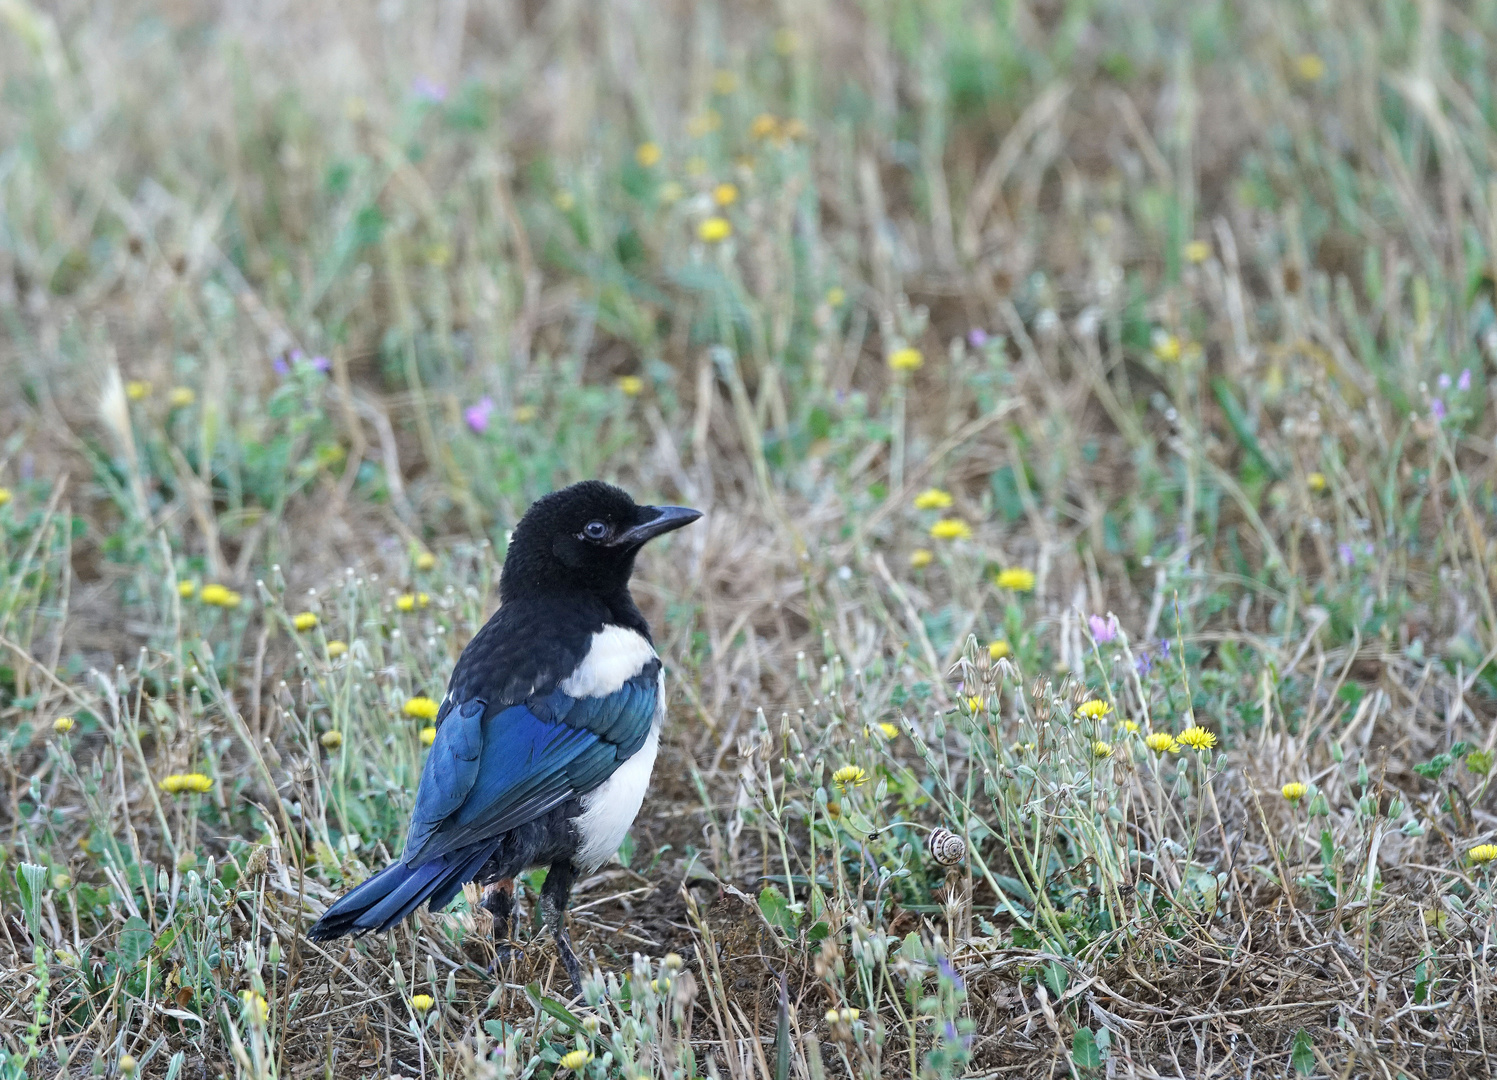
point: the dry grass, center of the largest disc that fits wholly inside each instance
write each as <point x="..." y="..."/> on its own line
<point x="1204" y="298"/>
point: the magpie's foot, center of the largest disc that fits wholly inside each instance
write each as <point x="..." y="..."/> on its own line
<point x="569" y="959"/>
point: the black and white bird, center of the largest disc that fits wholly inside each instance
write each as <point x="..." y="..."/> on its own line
<point x="549" y="728"/>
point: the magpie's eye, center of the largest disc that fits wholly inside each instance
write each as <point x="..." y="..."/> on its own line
<point x="595" y="530"/>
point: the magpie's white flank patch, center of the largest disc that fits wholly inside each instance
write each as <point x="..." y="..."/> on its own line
<point x="609" y="809"/>
<point x="616" y="655"/>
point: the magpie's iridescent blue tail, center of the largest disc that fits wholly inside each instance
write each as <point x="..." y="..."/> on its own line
<point x="398" y="890"/>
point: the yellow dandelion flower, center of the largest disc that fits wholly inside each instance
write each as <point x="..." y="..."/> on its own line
<point x="137" y="389"/>
<point x="422" y="1002"/>
<point x="185" y="589"/>
<point x="219" y="596"/>
<point x="61" y="881"/>
<point x="725" y="194"/>
<point x="405" y="602"/>
<point x="1315" y="482"/>
<point x="62" y="725"/>
<point x="1022" y="747"/>
<point x="836" y="296"/>
<point x="177" y="783"/>
<point x="849" y="776"/>
<point x="181" y="397"/>
<point x="647" y="154"/>
<point x="255" y="1006"/>
<point x="631" y="385"/>
<point x="1130" y="726"/>
<point x="575" y="1059"/>
<point x="420" y="708"/>
<point x="933" y="499"/>
<point x="425" y="560"/>
<point x="842" y="1016"/>
<point x="997" y="650"/>
<point x="336" y="649"/>
<point x="1015" y="579"/>
<point x="920" y="558"/>
<point x="889" y="730"/>
<point x="724" y="82"/>
<point x="765" y="126"/>
<point x="524" y="414"/>
<point x="564" y="201"/>
<point x="305" y="621"/>
<point x="1161" y="742"/>
<point x="1166" y="346"/>
<point x="951" y="529"/>
<point x="428" y="735"/>
<point x="1093" y="709"/>
<point x="422" y="599"/>
<point x="1101" y="750"/>
<point x="1309" y="67"/>
<point x="1482" y="853"/>
<point x="1197" y="251"/>
<point x="976" y="704"/>
<point x="714" y="230"/>
<point x="4" y="495"/>
<point x="331" y="740"/>
<point x="1294" y="791"/>
<point x="1197" y="738"/>
<point x="906" y="359"/>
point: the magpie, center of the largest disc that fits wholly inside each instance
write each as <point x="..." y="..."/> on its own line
<point x="548" y="730"/>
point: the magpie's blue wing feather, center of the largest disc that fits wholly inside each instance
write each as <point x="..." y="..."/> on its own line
<point x="530" y="758"/>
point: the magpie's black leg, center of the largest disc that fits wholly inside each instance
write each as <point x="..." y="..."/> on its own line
<point x="499" y="901"/>
<point x="554" y="896"/>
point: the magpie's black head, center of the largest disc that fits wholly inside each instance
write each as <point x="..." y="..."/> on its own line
<point x="583" y="539"/>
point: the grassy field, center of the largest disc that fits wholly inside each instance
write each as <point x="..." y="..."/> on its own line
<point x="1085" y="665"/>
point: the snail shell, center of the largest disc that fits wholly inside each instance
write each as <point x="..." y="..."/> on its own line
<point x="946" y="847"/>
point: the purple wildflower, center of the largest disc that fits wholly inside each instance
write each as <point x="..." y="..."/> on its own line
<point x="1164" y="647"/>
<point x="1144" y="663"/>
<point x="1437" y="409"/>
<point x="1346" y="553"/>
<point x="281" y="367"/>
<point x="1465" y="381"/>
<point x="1444" y="380"/>
<point x="322" y="364"/>
<point x="477" y="415"/>
<point x="1103" y="630"/>
<point x="429" y="91"/>
<point x="944" y="967"/>
<point x="977" y="337"/>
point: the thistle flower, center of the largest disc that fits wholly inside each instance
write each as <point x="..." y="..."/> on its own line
<point x="255" y="1006"/>
<point x="715" y="230"/>
<point x="62" y="725"/>
<point x="178" y="783"/>
<point x="1294" y="791"/>
<point x="331" y="740"/>
<point x="336" y="649"/>
<point x="428" y="735"/>
<point x="1482" y="853"/>
<point x="477" y="415"/>
<point x="1101" y="750"/>
<point x="951" y="529"/>
<point x="575" y="1059"/>
<point x="1103" y="630"/>
<point x="1162" y="741"/>
<point x="647" y="154"/>
<point x="1197" y="251"/>
<point x="422" y="1002"/>
<point x="1197" y="738"/>
<point x="849" y="776"/>
<point x="420" y="708"/>
<point x="725" y="194"/>
<point x="425" y="560"/>
<point x="631" y="385"/>
<point x="933" y="499"/>
<point x="1015" y="579"/>
<point x="920" y="558"/>
<point x="1093" y="709"/>
<point x="181" y="397"/>
<point x="905" y="359"/>
<point x="305" y="621"/>
<point x="997" y="650"/>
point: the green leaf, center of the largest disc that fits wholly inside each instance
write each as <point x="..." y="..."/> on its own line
<point x="1302" y="1055"/>
<point x="776" y="909"/>
<point x="1084" y="1049"/>
<point x="553" y="1008"/>
<point x="31" y="879"/>
<point x="135" y="941"/>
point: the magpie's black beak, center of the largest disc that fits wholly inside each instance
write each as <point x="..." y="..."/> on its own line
<point x="666" y="519"/>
